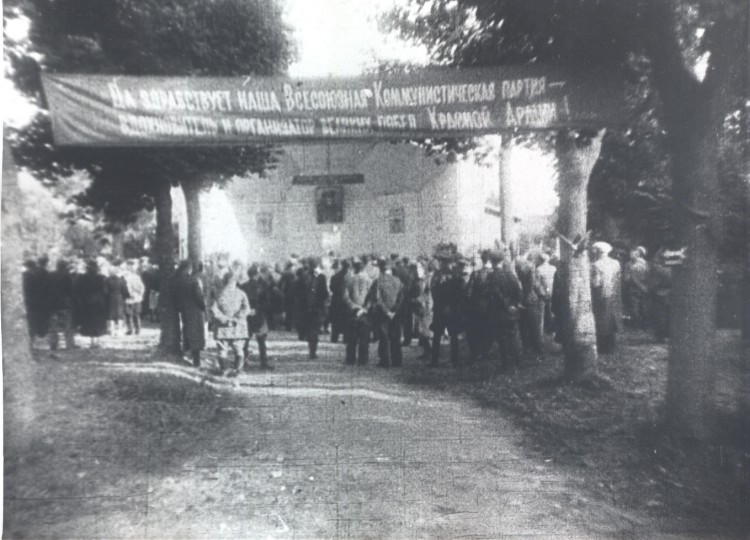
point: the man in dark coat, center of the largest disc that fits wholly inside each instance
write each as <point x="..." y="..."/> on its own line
<point x="481" y="318"/>
<point x="286" y="286"/>
<point x="506" y="296"/>
<point x="90" y="293"/>
<point x="447" y="309"/>
<point x="257" y="291"/>
<point x="356" y="289"/>
<point x="386" y="300"/>
<point x="532" y="314"/>
<point x="312" y="289"/>
<point x="60" y="298"/>
<point x="190" y="304"/>
<point x="337" y="313"/>
<point x="35" y="284"/>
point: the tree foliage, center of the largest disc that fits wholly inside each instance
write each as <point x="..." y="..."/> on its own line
<point x="150" y="37"/>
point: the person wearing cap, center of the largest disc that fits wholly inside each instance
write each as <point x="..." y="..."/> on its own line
<point x="134" y="299"/>
<point x="257" y="291"/>
<point x="286" y="287"/>
<point x="90" y="291"/>
<point x="337" y="310"/>
<point x="189" y="302"/>
<point x="313" y="296"/>
<point x="605" y="297"/>
<point x="447" y="309"/>
<point x="505" y="298"/>
<point x="357" y="333"/>
<point x="635" y="284"/>
<point x="229" y="312"/>
<point x="481" y="323"/>
<point x="532" y="314"/>
<point x="385" y="300"/>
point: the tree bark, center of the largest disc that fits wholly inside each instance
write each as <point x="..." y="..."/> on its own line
<point x="508" y="226"/>
<point x="169" y="341"/>
<point x="19" y="384"/>
<point x="575" y="163"/>
<point x="191" y="190"/>
<point x="693" y="115"/>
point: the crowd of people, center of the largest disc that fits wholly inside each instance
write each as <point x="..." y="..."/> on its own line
<point x="503" y="307"/>
<point x="90" y="297"/>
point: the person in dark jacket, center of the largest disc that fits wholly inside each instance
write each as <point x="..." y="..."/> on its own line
<point x="532" y="315"/>
<point x="337" y="313"/>
<point x="312" y="289"/>
<point x="190" y="304"/>
<point x="506" y="297"/>
<point x="356" y="289"/>
<point x="257" y="291"/>
<point x="286" y="287"/>
<point x="60" y="298"/>
<point x="90" y="292"/>
<point x="447" y="309"/>
<point x="117" y="292"/>
<point x="385" y="300"/>
<point x="35" y="284"/>
<point x="481" y="318"/>
<point x="410" y="280"/>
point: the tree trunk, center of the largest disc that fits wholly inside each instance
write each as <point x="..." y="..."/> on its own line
<point x="508" y="226"/>
<point x="575" y="163"/>
<point x="693" y="115"/>
<point x="19" y="384"/>
<point x="191" y="190"/>
<point x="169" y="341"/>
<point x="690" y="381"/>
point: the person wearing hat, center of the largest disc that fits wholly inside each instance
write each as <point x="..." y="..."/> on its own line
<point x="505" y="301"/>
<point x="447" y="308"/>
<point x="90" y="291"/>
<point x="481" y="324"/>
<point x="357" y="333"/>
<point x="312" y="290"/>
<point x="635" y="285"/>
<point x="337" y="310"/>
<point x="605" y="297"/>
<point x="385" y="300"/>
<point x="257" y="291"/>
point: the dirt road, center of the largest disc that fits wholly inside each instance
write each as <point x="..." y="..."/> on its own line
<point x="128" y="446"/>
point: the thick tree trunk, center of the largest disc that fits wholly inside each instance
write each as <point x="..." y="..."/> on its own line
<point x="191" y="190"/>
<point x="575" y="163"/>
<point x="19" y="384"/>
<point x="693" y="117"/>
<point x="691" y="370"/>
<point x="169" y="341"/>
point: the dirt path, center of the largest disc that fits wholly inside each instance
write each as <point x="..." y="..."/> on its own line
<point x="312" y="450"/>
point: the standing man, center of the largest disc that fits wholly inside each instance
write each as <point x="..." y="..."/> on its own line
<point x="257" y="291"/>
<point x="635" y="281"/>
<point x="506" y="297"/>
<point x="337" y="313"/>
<point x="60" y="299"/>
<point x="190" y="304"/>
<point x="357" y="330"/>
<point x="229" y="313"/>
<point x="605" y="297"/>
<point x="386" y="299"/>
<point x="546" y="273"/>
<point x="134" y="300"/>
<point x="482" y="323"/>
<point x="532" y="314"/>
<point x="313" y="291"/>
<point x="447" y="296"/>
<point x="286" y="286"/>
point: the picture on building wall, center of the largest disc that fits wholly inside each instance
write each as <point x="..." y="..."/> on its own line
<point x="396" y="221"/>
<point x="329" y="204"/>
<point x="264" y="223"/>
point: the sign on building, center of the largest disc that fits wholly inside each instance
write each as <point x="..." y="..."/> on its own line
<point x="136" y="111"/>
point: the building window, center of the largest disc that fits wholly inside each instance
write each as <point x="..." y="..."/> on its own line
<point x="396" y="221"/>
<point x="264" y="223"/>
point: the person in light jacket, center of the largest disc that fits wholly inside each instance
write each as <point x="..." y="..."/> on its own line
<point x="229" y="313"/>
